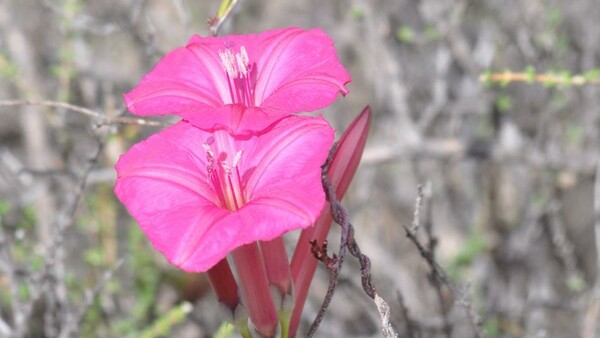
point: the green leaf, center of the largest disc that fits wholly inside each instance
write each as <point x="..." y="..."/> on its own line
<point x="575" y="283"/>
<point x="225" y="330"/>
<point x="4" y="207"/>
<point x="503" y="103"/>
<point x="405" y="34"/>
<point x="357" y="13"/>
<point x="473" y="246"/>
<point x="432" y="33"/>
<point x="530" y="72"/>
<point x="574" y="133"/>
<point x="163" y="325"/>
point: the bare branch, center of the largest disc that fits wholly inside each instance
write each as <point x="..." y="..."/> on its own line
<point x="416" y="215"/>
<point x="590" y="320"/>
<point x="104" y="119"/>
<point x="216" y="22"/>
<point x="8" y="268"/>
<point x="411" y="327"/>
<point x="439" y="273"/>
<point x="75" y="320"/>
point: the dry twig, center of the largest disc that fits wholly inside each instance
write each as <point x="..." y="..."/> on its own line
<point x="334" y="264"/>
<point x="103" y="119"/>
<point x="590" y="320"/>
<point x="440" y="274"/>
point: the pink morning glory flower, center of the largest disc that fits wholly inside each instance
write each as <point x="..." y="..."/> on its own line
<point x="243" y="83"/>
<point x="199" y="194"/>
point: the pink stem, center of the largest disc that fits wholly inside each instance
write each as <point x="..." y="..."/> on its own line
<point x="222" y="281"/>
<point x="277" y="264"/>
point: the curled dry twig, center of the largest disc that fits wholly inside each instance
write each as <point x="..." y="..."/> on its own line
<point x="334" y="263"/>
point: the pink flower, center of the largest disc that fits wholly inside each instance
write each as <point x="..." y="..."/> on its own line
<point x="243" y="83"/>
<point x="197" y="194"/>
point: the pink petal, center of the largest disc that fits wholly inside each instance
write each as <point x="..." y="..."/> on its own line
<point x="298" y="70"/>
<point x="262" y="219"/>
<point x="163" y="183"/>
<point x="183" y="81"/>
<point x="285" y="168"/>
<point x="290" y="154"/>
<point x="235" y="118"/>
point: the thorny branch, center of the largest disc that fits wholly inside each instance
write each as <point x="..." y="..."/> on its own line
<point x="334" y="263"/>
<point x="411" y="327"/>
<point x="438" y="274"/>
<point x="75" y="321"/>
<point x="431" y="245"/>
<point x="590" y="320"/>
<point x="50" y="276"/>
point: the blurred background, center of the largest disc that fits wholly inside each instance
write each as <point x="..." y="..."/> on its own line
<point x="507" y="171"/>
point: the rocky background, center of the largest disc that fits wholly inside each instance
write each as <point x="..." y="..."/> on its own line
<point x="507" y="174"/>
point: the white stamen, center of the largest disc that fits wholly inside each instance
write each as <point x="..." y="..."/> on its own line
<point x="244" y="56"/>
<point x="208" y="150"/>
<point x="241" y="65"/>
<point x="228" y="61"/>
<point x="238" y="69"/>
<point x="226" y="167"/>
<point x="237" y="157"/>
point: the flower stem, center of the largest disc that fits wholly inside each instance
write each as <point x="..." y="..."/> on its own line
<point x="304" y="266"/>
<point x="244" y="330"/>
<point x="223" y="283"/>
<point x="254" y="285"/>
<point x="280" y="277"/>
<point x="277" y="265"/>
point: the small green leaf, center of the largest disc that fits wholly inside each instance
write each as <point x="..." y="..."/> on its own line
<point x="555" y="17"/>
<point x="591" y="75"/>
<point x="357" y="13"/>
<point x="530" y="72"/>
<point x="503" y="103"/>
<point x="575" y="283"/>
<point x="432" y="33"/>
<point x="405" y="34"/>
<point x="225" y="330"/>
<point x="23" y="291"/>
<point x="474" y="245"/>
<point x="93" y="257"/>
<point x="4" y="207"/>
<point x="491" y="327"/>
<point x="163" y="325"/>
<point x="574" y="133"/>
<point x="486" y="77"/>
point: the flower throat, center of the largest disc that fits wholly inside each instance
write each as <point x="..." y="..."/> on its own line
<point x="225" y="177"/>
<point x="241" y="75"/>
